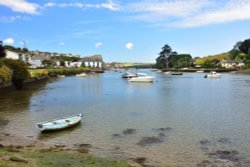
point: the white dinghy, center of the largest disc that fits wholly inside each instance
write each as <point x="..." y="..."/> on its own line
<point x="60" y="123"/>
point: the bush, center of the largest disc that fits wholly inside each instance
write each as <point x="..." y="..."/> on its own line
<point x="19" y="68"/>
<point x="5" y="74"/>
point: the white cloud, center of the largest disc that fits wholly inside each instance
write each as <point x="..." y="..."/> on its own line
<point x="61" y="43"/>
<point x="233" y="11"/>
<point x="20" y="6"/>
<point x="8" y="41"/>
<point x="109" y="4"/>
<point x="159" y="10"/>
<point x="189" y="13"/>
<point x="129" y="45"/>
<point x="98" y="44"/>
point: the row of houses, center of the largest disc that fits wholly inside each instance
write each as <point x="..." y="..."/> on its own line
<point x="35" y="59"/>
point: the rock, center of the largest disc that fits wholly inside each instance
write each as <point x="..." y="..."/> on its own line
<point x="1" y="146"/>
<point x="226" y="154"/>
<point x="116" y="135"/>
<point x="17" y="159"/>
<point x="83" y="150"/>
<point x="83" y="145"/>
<point x="205" y="142"/>
<point x="149" y="140"/>
<point x="164" y="129"/>
<point x="140" y="160"/>
<point x="224" y="140"/>
<point x="129" y="131"/>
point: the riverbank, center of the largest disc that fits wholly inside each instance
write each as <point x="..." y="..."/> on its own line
<point x="27" y="152"/>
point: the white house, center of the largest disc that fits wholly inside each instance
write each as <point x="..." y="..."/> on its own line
<point x="231" y="64"/>
<point x="16" y="55"/>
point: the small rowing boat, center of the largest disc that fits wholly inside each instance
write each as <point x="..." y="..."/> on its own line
<point x="60" y="123"/>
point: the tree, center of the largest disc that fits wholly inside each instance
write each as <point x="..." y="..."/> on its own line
<point x="164" y="55"/>
<point x="2" y="50"/>
<point x="245" y="46"/>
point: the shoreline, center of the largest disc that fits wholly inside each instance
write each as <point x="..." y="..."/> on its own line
<point x="15" y="145"/>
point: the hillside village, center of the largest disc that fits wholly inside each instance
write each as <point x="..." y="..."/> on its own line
<point x="40" y="59"/>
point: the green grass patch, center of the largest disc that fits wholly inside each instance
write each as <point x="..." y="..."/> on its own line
<point x="54" y="158"/>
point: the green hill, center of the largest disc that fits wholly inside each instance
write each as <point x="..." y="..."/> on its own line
<point x="219" y="57"/>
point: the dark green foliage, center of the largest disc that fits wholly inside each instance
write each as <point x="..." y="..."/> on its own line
<point x="12" y="48"/>
<point x="48" y="63"/>
<point x="245" y="46"/>
<point x="2" y="50"/>
<point x="66" y="58"/>
<point x="163" y="60"/>
<point x="181" y="60"/>
<point x="209" y="64"/>
<point x="19" y="72"/>
<point x="241" y="52"/>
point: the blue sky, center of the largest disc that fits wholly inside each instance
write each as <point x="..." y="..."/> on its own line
<point x="125" y="30"/>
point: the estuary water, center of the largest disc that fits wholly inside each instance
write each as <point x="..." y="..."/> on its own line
<point x="177" y="120"/>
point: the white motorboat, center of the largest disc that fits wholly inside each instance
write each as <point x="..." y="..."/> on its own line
<point x="81" y="75"/>
<point x="142" y="77"/>
<point x="200" y="71"/>
<point x="213" y="74"/>
<point x="128" y="75"/>
<point x="60" y="123"/>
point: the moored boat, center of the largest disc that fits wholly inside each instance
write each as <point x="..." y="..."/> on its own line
<point x="142" y="77"/>
<point x="213" y="74"/>
<point x="61" y="123"/>
<point x="176" y="73"/>
<point x="128" y="75"/>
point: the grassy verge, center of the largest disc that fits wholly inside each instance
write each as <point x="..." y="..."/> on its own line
<point x="23" y="157"/>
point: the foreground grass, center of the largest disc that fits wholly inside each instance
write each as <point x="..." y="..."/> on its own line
<point x="10" y="157"/>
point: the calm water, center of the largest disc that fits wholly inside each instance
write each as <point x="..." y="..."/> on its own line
<point x="205" y="115"/>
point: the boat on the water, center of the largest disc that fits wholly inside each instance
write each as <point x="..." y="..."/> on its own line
<point x="81" y="75"/>
<point x="176" y="73"/>
<point x="60" y="123"/>
<point x="128" y="75"/>
<point x="200" y="71"/>
<point x="142" y="77"/>
<point x="213" y="74"/>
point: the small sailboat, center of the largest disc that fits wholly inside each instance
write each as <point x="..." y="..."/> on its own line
<point x="58" y="124"/>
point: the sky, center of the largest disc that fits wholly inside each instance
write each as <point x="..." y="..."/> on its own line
<point x="125" y="30"/>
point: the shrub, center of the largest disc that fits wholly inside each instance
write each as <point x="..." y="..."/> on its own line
<point x="5" y="74"/>
<point x="18" y="67"/>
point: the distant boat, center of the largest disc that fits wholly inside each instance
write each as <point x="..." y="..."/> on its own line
<point x="128" y="75"/>
<point x="176" y="73"/>
<point x="142" y="77"/>
<point x="213" y="74"/>
<point x="167" y="72"/>
<point x="81" y="75"/>
<point x="200" y="71"/>
<point x="61" y="123"/>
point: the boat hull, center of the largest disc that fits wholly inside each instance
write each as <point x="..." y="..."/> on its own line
<point x="142" y="79"/>
<point x="59" y="124"/>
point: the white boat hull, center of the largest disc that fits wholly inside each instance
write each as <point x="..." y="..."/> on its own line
<point x="214" y="76"/>
<point x="59" y="124"/>
<point x="142" y="79"/>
